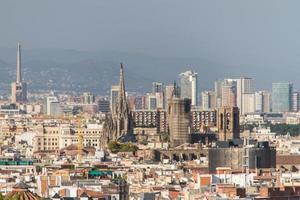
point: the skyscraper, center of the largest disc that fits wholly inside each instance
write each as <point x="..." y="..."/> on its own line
<point x="295" y="102"/>
<point x="266" y="101"/>
<point x="157" y="87"/>
<point x="151" y="101"/>
<point x="218" y="93"/>
<point x="245" y="94"/>
<point x="229" y="92"/>
<point x="282" y="97"/>
<point x="52" y="106"/>
<point x="208" y="100"/>
<point x="259" y="101"/>
<point x="140" y="102"/>
<point x="19" y="87"/>
<point x="263" y="101"/>
<point x="248" y="104"/>
<point x="158" y="92"/>
<point x="88" y="98"/>
<point x="188" y="86"/>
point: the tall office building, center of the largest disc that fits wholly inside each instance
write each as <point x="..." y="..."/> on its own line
<point x="157" y="87"/>
<point x="259" y="101"/>
<point x="262" y="101"/>
<point x="282" y="97"/>
<point x="88" y="98"/>
<point x="52" y="106"/>
<point x="179" y="120"/>
<point x="188" y="86"/>
<point x="248" y="105"/>
<point x="104" y="105"/>
<point x="266" y="102"/>
<point x="151" y="101"/>
<point x="140" y="102"/>
<point x="160" y="102"/>
<point x="245" y="94"/>
<point x="208" y="100"/>
<point x="295" y="102"/>
<point x="218" y="93"/>
<point x="229" y="93"/>
<point x="158" y="91"/>
<point x="19" y="87"/>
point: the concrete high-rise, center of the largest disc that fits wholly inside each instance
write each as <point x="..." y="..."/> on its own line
<point x="140" y="102"/>
<point x="218" y="93"/>
<point x="158" y="92"/>
<point x="103" y="105"/>
<point x="151" y="101"/>
<point x="52" y="106"/>
<point x="179" y="120"/>
<point x="229" y="92"/>
<point x="248" y="104"/>
<point x="87" y="98"/>
<point x="188" y="86"/>
<point x="157" y="87"/>
<point x="262" y="101"/>
<point x="295" y="102"/>
<point x="266" y="101"/>
<point x="208" y="100"/>
<point x="19" y="87"/>
<point x="245" y="92"/>
<point x="259" y="101"/>
<point x="282" y="97"/>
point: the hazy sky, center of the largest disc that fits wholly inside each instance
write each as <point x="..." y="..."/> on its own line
<point x="253" y="32"/>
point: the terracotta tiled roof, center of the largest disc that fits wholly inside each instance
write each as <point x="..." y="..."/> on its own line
<point x="288" y="159"/>
<point x="90" y="193"/>
<point x="20" y="192"/>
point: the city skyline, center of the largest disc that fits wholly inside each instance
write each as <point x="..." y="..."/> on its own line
<point x="216" y="39"/>
<point x="149" y="100"/>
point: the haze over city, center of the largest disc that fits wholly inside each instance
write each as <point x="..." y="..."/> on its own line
<point x="149" y="100"/>
<point x="215" y="38"/>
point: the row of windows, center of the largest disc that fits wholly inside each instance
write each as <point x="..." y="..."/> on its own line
<point x="49" y="148"/>
<point x="51" y="132"/>
<point x="45" y="143"/>
<point x="53" y="139"/>
<point x="85" y="132"/>
<point x="53" y="143"/>
<point x="49" y="139"/>
<point x="94" y="144"/>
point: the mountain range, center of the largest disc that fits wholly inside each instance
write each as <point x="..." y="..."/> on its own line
<point x="72" y="70"/>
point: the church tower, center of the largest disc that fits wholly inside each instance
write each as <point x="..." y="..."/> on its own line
<point x="122" y="114"/>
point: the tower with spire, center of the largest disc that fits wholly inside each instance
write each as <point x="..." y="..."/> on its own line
<point x="121" y="116"/>
<point x="178" y="119"/>
<point x="19" y="87"/>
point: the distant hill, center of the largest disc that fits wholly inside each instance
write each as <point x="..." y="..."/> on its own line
<point x="61" y="69"/>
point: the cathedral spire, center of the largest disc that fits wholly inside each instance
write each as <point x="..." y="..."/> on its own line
<point x="122" y="84"/>
<point x="122" y="112"/>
